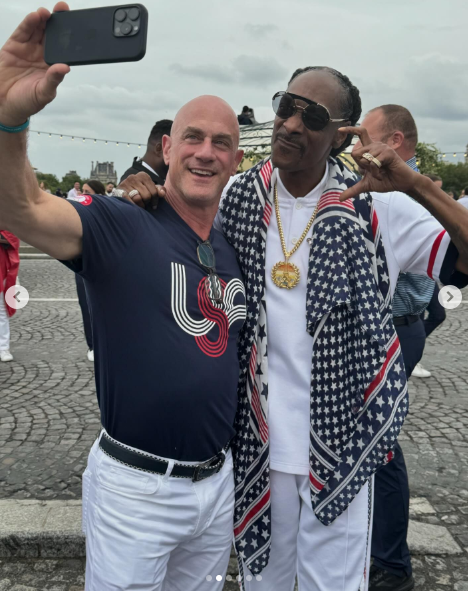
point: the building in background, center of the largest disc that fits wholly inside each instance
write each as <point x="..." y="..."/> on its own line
<point x="104" y="172"/>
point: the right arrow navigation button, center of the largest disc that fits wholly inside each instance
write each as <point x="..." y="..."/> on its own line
<point x="450" y="297"/>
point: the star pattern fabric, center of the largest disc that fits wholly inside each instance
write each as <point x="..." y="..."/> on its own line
<point x="359" y="394"/>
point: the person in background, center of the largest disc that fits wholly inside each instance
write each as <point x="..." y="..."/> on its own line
<point x="9" y="265"/>
<point x="153" y="160"/>
<point x="94" y="188"/>
<point x="435" y="311"/>
<point x="251" y="116"/>
<point x="109" y="188"/>
<point x="392" y="569"/>
<point x="451" y="194"/>
<point x="44" y="187"/>
<point x="76" y="191"/>
<point x="59" y="193"/>
<point x="463" y="199"/>
<point x="244" y="117"/>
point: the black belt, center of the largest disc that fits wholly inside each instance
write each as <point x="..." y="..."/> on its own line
<point x="141" y="461"/>
<point x="402" y="320"/>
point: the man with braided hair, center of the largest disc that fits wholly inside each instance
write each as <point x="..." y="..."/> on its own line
<point x="321" y="406"/>
<point x="322" y="392"/>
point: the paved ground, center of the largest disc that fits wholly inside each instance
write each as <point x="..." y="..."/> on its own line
<point x="49" y="418"/>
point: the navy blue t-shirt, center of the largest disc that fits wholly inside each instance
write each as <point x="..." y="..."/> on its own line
<point x="166" y="356"/>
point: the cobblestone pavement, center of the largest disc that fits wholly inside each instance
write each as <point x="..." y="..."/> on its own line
<point x="49" y="419"/>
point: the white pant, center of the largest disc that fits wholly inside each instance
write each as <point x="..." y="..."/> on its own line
<point x="325" y="558"/>
<point x="146" y="532"/>
<point x="4" y="325"/>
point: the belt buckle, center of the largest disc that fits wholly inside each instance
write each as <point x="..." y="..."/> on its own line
<point x="218" y="458"/>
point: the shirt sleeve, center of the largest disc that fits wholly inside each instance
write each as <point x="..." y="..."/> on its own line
<point x="110" y="225"/>
<point x="419" y="242"/>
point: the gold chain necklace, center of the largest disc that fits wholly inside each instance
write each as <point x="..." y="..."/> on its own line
<point x="284" y="273"/>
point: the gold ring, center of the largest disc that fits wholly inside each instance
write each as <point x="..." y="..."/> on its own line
<point x="368" y="156"/>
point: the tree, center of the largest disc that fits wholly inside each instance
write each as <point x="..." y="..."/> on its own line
<point x="428" y="158"/>
<point x="454" y="176"/>
<point x="50" y="180"/>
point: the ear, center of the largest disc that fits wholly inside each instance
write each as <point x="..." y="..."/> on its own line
<point x="339" y="138"/>
<point x="158" y="149"/>
<point x="166" y="148"/>
<point x="397" y="140"/>
<point x="237" y="161"/>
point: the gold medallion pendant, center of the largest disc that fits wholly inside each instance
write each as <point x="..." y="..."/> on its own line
<point x="285" y="275"/>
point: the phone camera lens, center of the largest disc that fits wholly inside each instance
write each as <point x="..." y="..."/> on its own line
<point x="120" y="15"/>
<point x="133" y="14"/>
<point x="126" y="29"/>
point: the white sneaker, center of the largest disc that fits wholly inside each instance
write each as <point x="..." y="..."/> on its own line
<point x="6" y="356"/>
<point x="420" y="372"/>
<point x="90" y="355"/>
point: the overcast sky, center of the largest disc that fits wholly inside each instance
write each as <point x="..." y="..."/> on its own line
<point x="410" y="52"/>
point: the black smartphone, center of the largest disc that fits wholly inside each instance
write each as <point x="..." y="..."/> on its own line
<point x="96" y="35"/>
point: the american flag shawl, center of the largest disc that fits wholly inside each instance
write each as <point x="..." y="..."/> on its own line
<point x="359" y="395"/>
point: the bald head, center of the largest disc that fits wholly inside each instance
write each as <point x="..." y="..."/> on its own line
<point x="210" y="108"/>
<point x="202" y="151"/>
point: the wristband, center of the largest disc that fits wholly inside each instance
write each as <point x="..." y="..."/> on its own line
<point x="16" y="129"/>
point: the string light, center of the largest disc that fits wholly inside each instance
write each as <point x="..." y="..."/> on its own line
<point x="106" y="142"/>
<point x="94" y="140"/>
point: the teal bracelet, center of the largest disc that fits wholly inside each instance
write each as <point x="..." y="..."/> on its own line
<point x="16" y="129"/>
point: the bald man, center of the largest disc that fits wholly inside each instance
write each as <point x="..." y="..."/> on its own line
<point x="158" y="491"/>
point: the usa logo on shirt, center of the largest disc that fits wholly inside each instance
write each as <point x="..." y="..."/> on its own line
<point x="83" y="199"/>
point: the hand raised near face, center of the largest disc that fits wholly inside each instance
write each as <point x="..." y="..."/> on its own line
<point x="27" y="83"/>
<point x="141" y="190"/>
<point x="384" y="170"/>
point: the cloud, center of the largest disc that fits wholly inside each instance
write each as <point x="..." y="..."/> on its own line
<point x="260" y="31"/>
<point x="248" y="70"/>
<point x="254" y="70"/>
<point x="208" y="72"/>
<point x="439" y="87"/>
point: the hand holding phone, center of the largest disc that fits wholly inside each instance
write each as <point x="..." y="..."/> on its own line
<point x="97" y="35"/>
<point x="29" y="81"/>
<point x="27" y="84"/>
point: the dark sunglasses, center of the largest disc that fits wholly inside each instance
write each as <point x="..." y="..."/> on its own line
<point x="206" y="257"/>
<point x="315" y="116"/>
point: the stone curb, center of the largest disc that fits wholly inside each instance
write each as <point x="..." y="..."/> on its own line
<point x="45" y="529"/>
<point x="52" y="529"/>
<point x="33" y="256"/>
